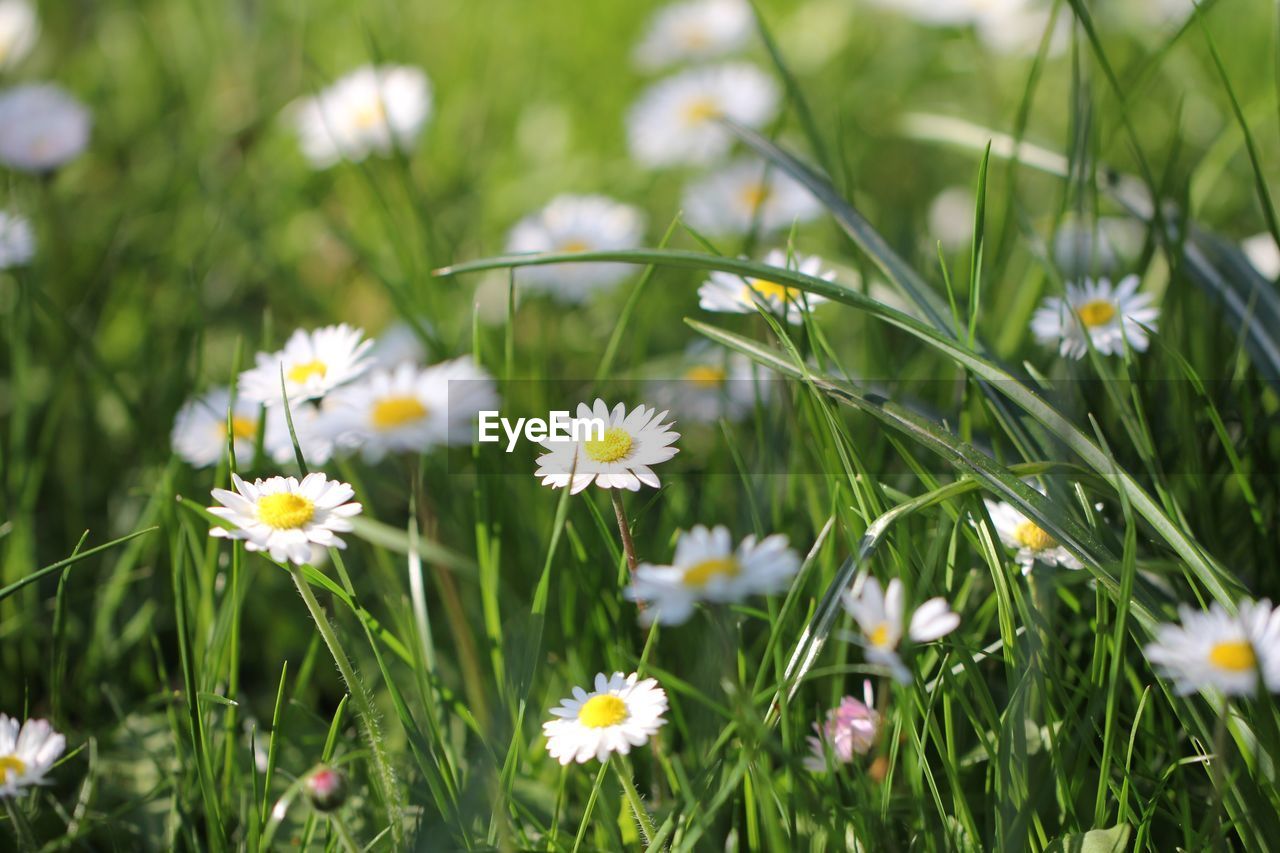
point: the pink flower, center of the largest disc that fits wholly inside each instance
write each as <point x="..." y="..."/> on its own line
<point x="850" y="728"/>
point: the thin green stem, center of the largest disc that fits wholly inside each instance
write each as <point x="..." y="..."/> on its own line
<point x="628" y="546"/>
<point x="633" y="799"/>
<point x="21" y="826"/>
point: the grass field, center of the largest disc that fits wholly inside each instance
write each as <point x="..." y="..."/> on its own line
<point x="917" y="412"/>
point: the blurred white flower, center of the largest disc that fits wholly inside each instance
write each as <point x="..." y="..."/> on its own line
<point x="27" y="753"/>
<point x="199" y="433"/>
<point x="1262" y="252"/>
<point x="19" y="29"/>
<point x="620" y="459"/>
<point x="313" y="364"/>
<point x="881" y="614"/>
<point x="708" y="568"/>
<point x="285" y="517"/>
<point x="17" y="241"/>
<point x="1216" y="649"/>
<point x="1031" y="542"/>
<point x="950" y="218"/>
<point x="1016" y="27"/>
<point x="850" y="729"/>
<point x="1098" y="246"/>
<point x="678" y="119"/>
<point x="727" y="292"/>
<point x="41" y="127"/>
<point x="1109" y="316"/>
<point x="621" y="712"/>
<point x="313" y="424"/>
<point x="399" y="344"/>
<point x="372" y="110"/>
<point x="694" y="30"/>
<point x="714" y="383"/>
<point x="411" y="409"/>
<point x="745" y="194"/>
<point x="576" y="223"/>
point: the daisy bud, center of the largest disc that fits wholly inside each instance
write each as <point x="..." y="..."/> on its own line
<point x="326" y="788"/>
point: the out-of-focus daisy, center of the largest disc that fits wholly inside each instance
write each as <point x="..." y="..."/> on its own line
<point x="372" y="110"/>
<point x="712" y="384"/>
<point x="1108" y="316"/>
<point x="17" y="241"/>
<point x="285" y="517"/>
<point x="411" y="409"/>
<point x="621" y="712"/>
<point x="1017" y="27"/>
<point x="678" y="120"/>
<point x="694" y="30"/>
<point x="577" y="223"/>
<point x="951" y="218"/>
<point x="1216" y="649"/>
<point x="19" y="28"/>
<point x="1096" y="246"/>
<point x="881" y="616"/>
<point x="1032" y="543"/>
<point x="850" y="729"/>
<point x="747" y="194"/>
<point x="199" y="433"/>
<point x="708" y="568"/>
<point x="26" y="753"/>
<point x="1262" y="252"/>
<point x="316" y="429"/>
<point x="725" y="291"/>
<point x="314" y="363"/>
<point x="622" y="458"/>
<point x="399" y="344"/>
<point x="41" y="127"/>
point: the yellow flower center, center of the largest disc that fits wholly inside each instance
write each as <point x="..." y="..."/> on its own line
<point x="717" y="567"/>
<point x="285" y="511"/>
<point x="1031" y="536"/>
<point x="8" y="763"/>
<point x="695" y="38"/>
<point x="302" y="372"/>
<point x="370" y="115"/>
<point x="1099" y="312"/>
<point x="613" y="446"/>
<point x="241" y="428"/>
<point x="602" y="711"/>
<point x="394" y="412"/>
<point x="769" y="290"/>
<point x="575" y="246"/>
<point x="1233" y="656"/>
<point x="701" y="110"/>
<point x="705" y="375"/>
<point x="880" y="636"/>
<point x="754" y="196"/>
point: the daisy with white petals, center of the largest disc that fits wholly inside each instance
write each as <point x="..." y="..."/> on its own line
<point x="27" y="753"/>
<point x="411" y="409"/>
<point x="19" y="28"/>
<point x="285" y="517"/>
<point x="17" y="241"/>
<point x="313" y="426"/>
<point x="678" y="120"/>
<point x="881" y="616"/>
<point x="748" y="194"/>
<point x="621" y="712"/>
<point x="1107" y="316"/>
<point x="1214" y="649"/>
<point x="313" y="363"/>
<point x="42" y="127"/>
<point x="199" y="433"/>
<point x="1031" y="542"/>
<point x="708" y="568"/>
<point x="727" y="292"/>
<point x="576" y="223"/>
<point x="712" y="384"/>
<point x="619" y="458"/>
<point x="372" y="110"/>
<point x="694" y="30"/>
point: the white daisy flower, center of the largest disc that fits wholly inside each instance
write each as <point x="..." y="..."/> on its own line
<point x="372" y="110"/>
<point x="728" y="292"/>
<point x="315" y="426"/>
<point x="199" y="433"/>
<point x="411" y="409"/>
<point x="1262" y="252"/>
<point x="621" y="459"/>
<point x="577" y="223"/>
<point x="1016" y="27"/>
<point x="881" y="616"/>
<point x="41" y="127"/>
<point x="1216" y="649"/>
<point x="26" y="753"/>
<point x="399" y="344"/>
<point x="1032" y="543"/>
<point x="695" y="30"/>
<point x="1110" y="317"/>
<point x="678" y="120"/>
<point x="620" y="713"/>
<point x="951" y="218"/>
<point x="285" y="517"/>
<point x="850" y="729"/>
<point x="1096" y="246"/>
<point x="17" y="241"/>
<point x="747" y="194"/>
<point x="707" y="568"/>
<point x="713" y="384"/>
<point x="19" y="28"/>
<point x="314" y="363"/>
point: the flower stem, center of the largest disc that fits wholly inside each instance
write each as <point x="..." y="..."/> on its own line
<point x="637" y="805"/>
<point x="628" y="546"/>
<point x="21" y="826"/>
